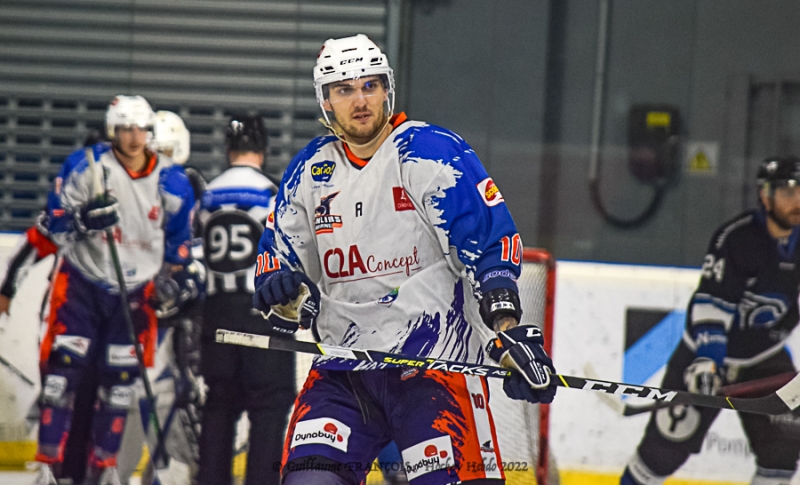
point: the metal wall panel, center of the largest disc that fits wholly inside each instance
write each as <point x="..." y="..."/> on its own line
<point x="62" y="61"/>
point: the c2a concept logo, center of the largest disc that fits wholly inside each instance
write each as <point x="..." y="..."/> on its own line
<point x="428" y="456"/>
<point x="323" y="431"/>
<point x="324" y="221"/>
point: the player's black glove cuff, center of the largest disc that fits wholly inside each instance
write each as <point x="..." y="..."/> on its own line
<point x="499" y="301"/>
<point x="97" y="215"/>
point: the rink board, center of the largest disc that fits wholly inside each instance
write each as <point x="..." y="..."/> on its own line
<point x="590" y="442"/>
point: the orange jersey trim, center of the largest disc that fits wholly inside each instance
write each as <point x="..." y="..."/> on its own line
<point x="58" y="296"/>
<point x="395" y="121"/>
<point x="44" y="246"/>
<point x="148" y="337"/>
<point x="147" y="170"/>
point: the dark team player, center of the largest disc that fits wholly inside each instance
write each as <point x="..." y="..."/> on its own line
<point x="736" y="325"/>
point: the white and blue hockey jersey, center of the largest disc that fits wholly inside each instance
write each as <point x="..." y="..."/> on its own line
<point x="154" y="211"/>
<point x="401" y="245"/>
<point x="233" y="213"/>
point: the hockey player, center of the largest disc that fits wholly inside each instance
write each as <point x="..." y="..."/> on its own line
<point x="233" y="214"/>
<point x="34" y="246"/>
<point x="389" y="235"/>
<point x="147" y="200"/>
<point x="173" y="373"/>
<point x="737" y="323"/>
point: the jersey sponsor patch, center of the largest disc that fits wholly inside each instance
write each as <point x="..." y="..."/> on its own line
<point x="428" y="456"/>
<point x="74" y="343"/>
<point x="390" y="297"/>
<point x="54" y="386"/>
<point x="324" y="221"/>
<point x="120" y="396"/>
<point x="270" y="224"/>
<point x="322" y="431"/>
<point x="323" y="171"/>
<point x="121" y="356"/>
<point x="401" y="200"/>
<point x="489" y="192"/>
<point x="341" y="263"/>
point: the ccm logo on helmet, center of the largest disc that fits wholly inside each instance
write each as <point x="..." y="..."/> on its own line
<point x="350" y="61"/>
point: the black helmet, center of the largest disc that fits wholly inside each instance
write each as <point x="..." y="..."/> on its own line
<point x="779" y="171"/>
<point x="246" y="133"/>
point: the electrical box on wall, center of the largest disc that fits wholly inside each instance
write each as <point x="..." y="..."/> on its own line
<point x="653" y="141"/>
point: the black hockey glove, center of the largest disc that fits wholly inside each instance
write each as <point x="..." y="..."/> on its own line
<point x="174" y="289"/>
<point x="288" y="300"/>
<point x="97" y="215"/>
<point x="520" y="348"/>
<point x="499" y="301"/>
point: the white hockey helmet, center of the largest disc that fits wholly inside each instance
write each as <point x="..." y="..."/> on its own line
<point x="351" y="58"/>
<point x="169" y="132"/>
<point x="128" y="111"/>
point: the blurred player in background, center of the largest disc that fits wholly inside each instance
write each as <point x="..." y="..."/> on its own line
<point x="147" y="202"/>
<point x="233" y="214"/>
<point x="177" y="357"/>
<point x="34" y="246"/>
<point x="737" y="324"/>
<point x="390" y="235"/>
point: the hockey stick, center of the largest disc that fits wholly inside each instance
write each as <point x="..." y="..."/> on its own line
<point x="8" y="365"/>
<point x="781" y="401"/>
<point x="99" y="193"/>
<point x="742" y="390"/>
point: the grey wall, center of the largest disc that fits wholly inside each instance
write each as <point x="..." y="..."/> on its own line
<point x="477" y="68"/>
<point x="480" y="68"/>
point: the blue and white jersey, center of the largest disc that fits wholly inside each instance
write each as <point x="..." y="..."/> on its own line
<point x="233" y="213"/>
<point x="401" y="246"/>
<point x="154" y="211"/>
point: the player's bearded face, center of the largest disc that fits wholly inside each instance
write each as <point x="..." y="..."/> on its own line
<point x="785" y="208"/>
<point x="358" y="106"/>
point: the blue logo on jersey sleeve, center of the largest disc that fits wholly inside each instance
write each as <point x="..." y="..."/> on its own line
<point x="323" y="171"/>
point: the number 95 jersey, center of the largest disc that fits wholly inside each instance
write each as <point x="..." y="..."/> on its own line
<point x="233" y="212"/>
<point x="401" y="246"/>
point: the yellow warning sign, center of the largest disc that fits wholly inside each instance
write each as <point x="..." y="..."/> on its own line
<point x="699" y="163"/>
<point x="701" y="157"/>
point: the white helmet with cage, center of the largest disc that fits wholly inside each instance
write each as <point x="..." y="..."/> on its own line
<point x="351" y="58"/>
<point x="128" y="111"/>
<point x="170" y="133"/>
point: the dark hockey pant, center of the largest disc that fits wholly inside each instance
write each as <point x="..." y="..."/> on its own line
<point x="261" y="382"/>
<point x="674" y="433"/>
<point x="87" y="339"/>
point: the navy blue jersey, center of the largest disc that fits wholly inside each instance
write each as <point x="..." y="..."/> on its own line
<point x="749" y="284"/>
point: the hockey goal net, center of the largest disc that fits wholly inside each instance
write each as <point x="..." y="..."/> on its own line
<point x="522" y="428"/>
